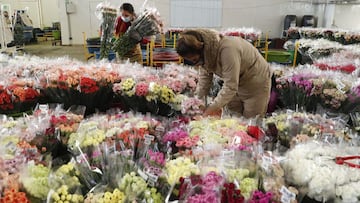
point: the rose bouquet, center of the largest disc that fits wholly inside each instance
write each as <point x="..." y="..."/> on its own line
<point x="293" y="33"/>
<point x="334" y="94"/>
<point x="147" y="24"/>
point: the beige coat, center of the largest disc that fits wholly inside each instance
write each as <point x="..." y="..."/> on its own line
<point x="245" y="72"/>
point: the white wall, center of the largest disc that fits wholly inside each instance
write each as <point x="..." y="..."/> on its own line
<point x="347" y="16"/>
<point x="267" y="16"/>
<point x="50" y="12"/>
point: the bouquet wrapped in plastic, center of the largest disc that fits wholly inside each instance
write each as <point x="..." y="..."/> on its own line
<point x="108" y="17"/>
<point x="89" y="86"/>
<point x="272" y="178"/>
<point x="306" y="88"/>
<point x="147" y="24"/>
<point x="250" y="34"/>
<point x="324" y="172"/>
<point x="18" y="96"/>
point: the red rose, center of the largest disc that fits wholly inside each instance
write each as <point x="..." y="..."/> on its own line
<point x="255" y="132"/>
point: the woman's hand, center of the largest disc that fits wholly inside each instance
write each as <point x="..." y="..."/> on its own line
<point x="210" y="111"/>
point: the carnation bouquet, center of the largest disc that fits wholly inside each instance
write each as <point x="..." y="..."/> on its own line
<point x="147" y="24"/>
<point x="18" y="97"/>
<point x="87" y="86"/>
<point x="146" y="96"/>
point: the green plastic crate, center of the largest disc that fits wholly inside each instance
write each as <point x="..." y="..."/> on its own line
<point x="278" y="56"/>
<point x="56" y="34"/>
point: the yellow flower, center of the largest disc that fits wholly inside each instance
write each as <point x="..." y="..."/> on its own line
<point x="154" y="88"/>
<point x="127" y="84"/>
<point x="167" y="95"/>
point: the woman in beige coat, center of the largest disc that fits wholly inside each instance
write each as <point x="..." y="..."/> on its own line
<point x="246" y="74"/>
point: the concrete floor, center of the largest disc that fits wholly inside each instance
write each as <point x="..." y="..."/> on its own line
<point x="45" y="49"/>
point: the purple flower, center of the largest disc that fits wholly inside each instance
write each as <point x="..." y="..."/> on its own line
<point x="175" y="135"/>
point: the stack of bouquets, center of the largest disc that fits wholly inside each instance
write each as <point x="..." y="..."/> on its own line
<point x="292" y="128"/>
<point x="147" y="24"/>
<point x="15" y="150"/>
<point x="18" y="96"/>
<point x="229" y="176"/>
<point x="339" y="35"/>
<point x="306" y="88"/>
<point x="344" y="61"/>
<point x="318" y="48"/>
<point x="160" y="92"/>
<point x="250" y="34"/>
<point x="293" y="33"/>
<point x="90" y="86"/>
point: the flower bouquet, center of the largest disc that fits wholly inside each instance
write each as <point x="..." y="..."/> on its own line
<point x="192" y="107"/>
<point x="107" y="26"/>
<point x="250" y="34"/>
<point x="146" y="97"/>
<point x="181" y="79"/>
<point x="293" y="128"/>
<point x="18" y="98"/>
<point x="334" y="95"/>
<point x="198" y="189"/>
<point x="299" y="91"/>
<point x="35" y="180"/>
<point x="312" y="167"/>
<point x="87" y="86"/>
<point x="147" y="24"/>
<point x="318" y="48"/>
<point x="293" y="33"/>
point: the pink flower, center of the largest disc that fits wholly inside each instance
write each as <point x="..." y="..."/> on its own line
<point x="175" y="135"/>
<point x="142" y="89"/>
<point x="177" y="86"/>
<point x="157" y="157"/>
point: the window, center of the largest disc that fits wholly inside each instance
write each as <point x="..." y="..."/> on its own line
<point x="196" y="13"/>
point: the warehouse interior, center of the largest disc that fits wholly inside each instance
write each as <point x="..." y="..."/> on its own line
<point x="75" y="19"/>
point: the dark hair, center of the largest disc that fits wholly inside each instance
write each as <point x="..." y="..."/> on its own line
<point x="190" y="43"/>
<point x="127" y="7"/>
